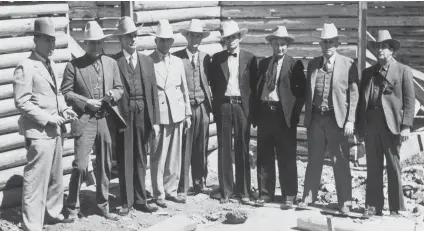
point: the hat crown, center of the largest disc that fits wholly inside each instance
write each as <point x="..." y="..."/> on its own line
<point x="329" y="31"/>
<point x="196" y="26"/>
<point x="126" y="25"/>
<point x="44" y="26"/>
<point x="164" y="29"/>
<point x="93" y="31"/>
<point x="383" y="35"/>
<point x="280" y="31"/>
<point x="229" y="28"/>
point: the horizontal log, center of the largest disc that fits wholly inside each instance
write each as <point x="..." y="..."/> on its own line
<point x="73" y="4"/>
<point x="33" y="9"/>
<point x="174" y="223"/>
<point x="17" y="157"/>
<point x="79" y="34"/>
<point x="11" y="141"/>
<point x="395" y="32"/>
<point x="395" y="21"/>
<point x="95" y="12"/>
<point x="78" y="23"/>
<point x="396" y="4"/>
<point x="209" y="25"/>
<point x="298" y="11"/>
<point x="6" y="75"/>
<point x="398" y="11"/>
<point x="295" y="23"/>
<point x="7" y="108"/>
<point x="6" y="91"/>
<point x="12" y="60"/>
<point x="265" y="3"/>
<point x="207" y="48"/>
<point x="20" y="44"/>
<point x="163" y="5"/>
<point x="22" y="26"/>
<point x="176" y="14"/>
<point x="9" y="124"/>
<point x="108" y="3"/>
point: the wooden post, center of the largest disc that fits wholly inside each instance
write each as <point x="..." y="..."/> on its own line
<point x="127" y="8"/>
<point x="362" y="39"/>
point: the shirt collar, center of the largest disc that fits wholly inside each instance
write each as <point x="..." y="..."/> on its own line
<point x="331" y="59"/>
<point x="161" y="55"/>
<point x="41" y="58"/>
<point x="236" y="51"/>
<point x="386" y="67"/>
<point x="128" y="55"/>
<point x="191" y="54"/>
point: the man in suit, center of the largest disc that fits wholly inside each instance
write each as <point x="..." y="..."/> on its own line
<point x="330" y="108"/>
<point x="280" y="98"/>
<point x="195" y="142"/>
<point x="91" y="85"/>
<point x="175" y="114"/>
<point x="44" y="113"/>
<point x="140" y="108"/>
<point x="385" y="115"/>
<point x="233" y="78"/>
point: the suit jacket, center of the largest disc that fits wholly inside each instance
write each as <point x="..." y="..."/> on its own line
<point x="38" y="98"/>
<point x="174" y="103"/>
<point x="77" y="89"/>
<point x="148" y="79"/>
<point x="399" y="106"/>
<point x="344" y="89"/>
<point x="218" y="79"/>
<point x="204" y="64"/>
<point x="290" y="87"/>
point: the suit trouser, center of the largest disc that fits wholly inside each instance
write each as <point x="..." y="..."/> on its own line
<point x="165" y="163"/>
<point x="275" y="137"/>
<point x="195" y="145"/>
<point x="232" y="116"/>
<point x="380" y="143"/>
<point x="96" y="137"/>
<point x="324" y="132"/>
<point x="132" y="158"/>
<point x="42" y="182"/>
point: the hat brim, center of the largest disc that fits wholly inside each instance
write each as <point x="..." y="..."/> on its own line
<point x="159" y="36"/>
<point x="40" y="33"/>
<point x="242" y="32"/>
<point x="97" y="38"/>
<point x="289" y="39"/>
<point x="128" y="32"/>
<point x="184" y="32"/>
<point x="395" y="43"/>
<point x="338" y="36"/>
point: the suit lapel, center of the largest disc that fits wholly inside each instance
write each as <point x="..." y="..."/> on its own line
<point x="314" y="75"/>
<point x="284" y="68"/>
<point x="85" y="75"/>
<point x="225" y="69"/>
<point x="43" y="72"/>
<point x="122" y="63"/>
<point x="108" y="82"/>
<point x="242" y="66"/>
<point x="391" y="73"/>
<point x="143" y="71"/>
<point x="338" y="65"/>
<point x="203" y="80"/>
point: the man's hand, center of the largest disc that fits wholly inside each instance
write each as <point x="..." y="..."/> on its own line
<point x="109" y="97"/>
<point x="156" y="129"/>
<point x="94" y="104"/>
<point x="187" y="123"/>
<point x="348" y="129"/>
<point x="404" y="133"/>
<point x="69" y="114"/>
<point x="56" y="120"/>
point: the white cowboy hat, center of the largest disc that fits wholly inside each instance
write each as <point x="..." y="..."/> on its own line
<point x="93" y="32"/>
<point x="125" y="25"/>
<point x="164" y="30"/>
<point x="329" y="31"/>
<point x="195" y="26"/>
<point x="230" y="28"/>
<point x="44" y="26"/>
<point x="280" y="32"/>
<point x="385" y="37"/>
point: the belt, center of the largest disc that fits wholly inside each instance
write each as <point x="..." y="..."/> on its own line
<point x="323" y="110"/>
<point x="140" y="97"/>
<point x="232" y="99"/>
<point x="271" y="105"/>
<point x="375" y="107"/>
<point x="102" y="113"/>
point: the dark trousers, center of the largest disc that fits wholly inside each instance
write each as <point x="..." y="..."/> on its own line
<point x="131" y="158"/>
<point x="323" y="133"/>
<point x="275" y="138"/>
<point x="232" y="116"/>
<point x="96" y="137"/>
<point x="195" y="145"/>
<point x="380" y="143"/>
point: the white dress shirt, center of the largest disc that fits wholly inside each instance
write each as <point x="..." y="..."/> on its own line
<point x="134" y="57"/>
<point x="268" y="95"/>
<point x="233" y="88"/>
<point x="190" y="56"/>
<point x="330" y="61"/>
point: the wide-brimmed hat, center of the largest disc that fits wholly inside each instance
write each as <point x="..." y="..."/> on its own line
<point x="164" y="30"/>
<point x="329" y="31"/>
<point x="384" y="36"/>
<point x="93" y="31"/>
<point x="231" y="27"/>
<point x="125" y="25"/>
<point x="196" y="26"/>
<point x="280" y="32"/>
<point x="44" y="26"/>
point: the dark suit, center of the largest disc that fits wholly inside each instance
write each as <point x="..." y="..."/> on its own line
<point x="381" y="128"/>
<point x="235" y="115"/>
<point x="277" y="126"/>
<point x="326" y="130"/>
<point x="132" y="142"/>
<point x="195" y="141"/>
<point x="91" y="131"/>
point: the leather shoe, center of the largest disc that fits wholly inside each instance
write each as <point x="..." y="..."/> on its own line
<point x="246" y="201"/>
<point x="161" y="203"/>
<point x="178" y="199"/>
<point x="202" y="190"/>
<point x="302" y="204"/>
<point x="146" y="208"/>
<point x="109" y="216"/>
<point x="224" y="200"/>
<point x="395" y="214"/>
<point x="124" y="211"/>
<point x="344" y="210"/>
<point x="287" y="205"/>
<point x="58" y="220"/>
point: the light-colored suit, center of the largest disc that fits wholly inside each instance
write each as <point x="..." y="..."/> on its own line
<point x="174" y="105"/>
<point x="38" y="99"/>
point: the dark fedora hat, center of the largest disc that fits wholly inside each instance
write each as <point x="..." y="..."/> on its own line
<point x="44" y="26"/>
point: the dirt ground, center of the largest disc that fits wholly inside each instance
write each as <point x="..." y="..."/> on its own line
<point x="207" y="211"/>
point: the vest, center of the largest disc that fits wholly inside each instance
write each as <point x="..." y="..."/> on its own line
<point x="195" y="93"/>
<point x="136" y="88"/>
<point x="323" y="89"/>
<point x="96" y="80"/>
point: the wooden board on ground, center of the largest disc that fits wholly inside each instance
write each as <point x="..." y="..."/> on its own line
<point x="175" y="223"/>
<point x="332" y="212"/>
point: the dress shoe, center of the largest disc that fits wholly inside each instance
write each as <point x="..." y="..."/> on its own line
<point x="161" y="203"/>
<point x="110" y="216"/>
<point x="224" y="200"/>
<point x="59" y="219"/>
<point x="146" y="208"/>
<point x="303" y="204"/>
<point x="395" y="214"/>
<point x="203" y="190"/>
<point x="124" y="211"/>
<point x="178" y="199"/>
<point x="287" y="205"/>
<point x="246" y="201"/>
<point x="344" y="210"/>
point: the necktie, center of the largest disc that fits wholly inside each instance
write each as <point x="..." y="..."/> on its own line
<point x="50" y="70"/>
<point x="272" y="77"/>
<point x="233" y="54"/>
<point x="131" y="64"/>
<point x="193" y="64"/>
<point x="328" y="66"/>
<point x="96" y="66"/>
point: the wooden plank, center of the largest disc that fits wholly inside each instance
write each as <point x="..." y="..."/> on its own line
<point x="362" y="37"/>
<point x="163" y="5"/>
<point x="395" y="21"/>
<point x="12" y="60"/>
<point x="398" y="11"/>
<point x="9" y="124"/>
<point x="73" y="4"/>
<point x="95" y="12"/>
<point x="20" y="44"/>
<point x="7" y="108"/>
<point x="22" y="26"/>
<point x="175" y="223"/>
<point x="127" y="8"/>
<point x="298" y="11"/>
<point x="176" y="14"/>
<point x="396" y="32"/>
<point x="11" y="141"/>
<point x="396" y="4"/>
<point x="295" y="23"/>
<point x="265" y="3"/>
<point x="6" y="75"/>
<point x="78" y="23"/>
<point x="108" y="3"/>
<point x="209" y="25"/>
<point x="33" y="9"/>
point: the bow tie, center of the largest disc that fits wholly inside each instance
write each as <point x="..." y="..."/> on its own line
<point x="233" y="54"/>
